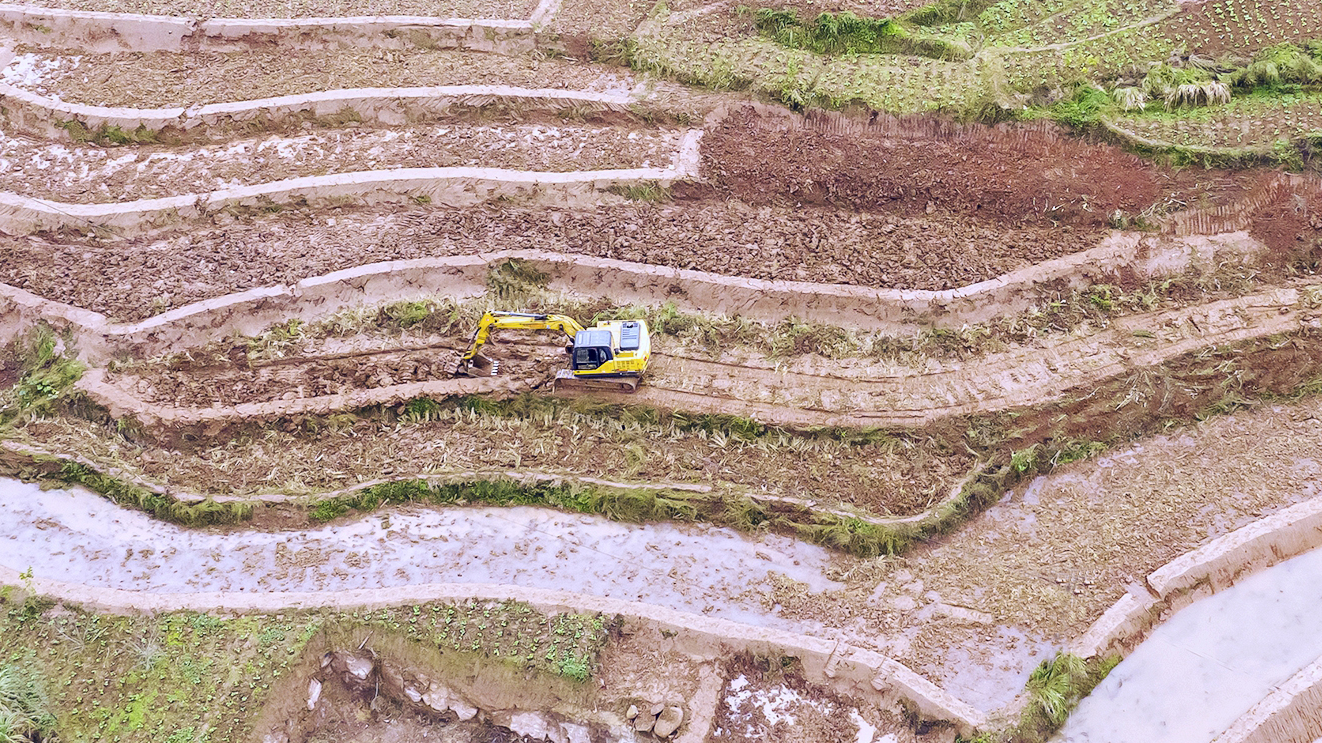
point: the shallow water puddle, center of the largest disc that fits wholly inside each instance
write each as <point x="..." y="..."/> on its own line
<point x="79" y="537"/>
<point x="1210" y="662"/>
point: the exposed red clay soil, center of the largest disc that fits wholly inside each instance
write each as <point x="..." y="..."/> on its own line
<point x="991" y="174"/>
<point x="134" y="278"/>
<point x="1291" y="226"/>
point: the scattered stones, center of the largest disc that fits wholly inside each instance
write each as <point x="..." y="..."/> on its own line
<point x="314" y="693"/>
<point x="668" y="722"/>
<point x="438" y="698"/>
<point x="632" y="713"/>
<point x="462" y="709"/>
<point x="358" y="667"/>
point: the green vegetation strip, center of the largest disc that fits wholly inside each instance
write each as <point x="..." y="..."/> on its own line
<point x="848" y="34"/>
<point x="1054" y="689"/>
<point x="193" y="678"/>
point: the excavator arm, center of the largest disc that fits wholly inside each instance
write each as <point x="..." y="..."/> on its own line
<point x="514" y="321"/>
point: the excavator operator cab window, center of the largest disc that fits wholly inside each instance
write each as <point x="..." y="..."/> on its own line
<point x="590" y="358"/>
<point x="592" y="349"/>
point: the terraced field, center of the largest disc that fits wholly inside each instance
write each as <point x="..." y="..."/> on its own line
<point x="935" y="409"/>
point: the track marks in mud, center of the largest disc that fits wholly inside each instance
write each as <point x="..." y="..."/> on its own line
<point x="1019" y="378"/>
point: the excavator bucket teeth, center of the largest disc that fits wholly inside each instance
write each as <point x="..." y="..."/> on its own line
<point x="567" y="383"/>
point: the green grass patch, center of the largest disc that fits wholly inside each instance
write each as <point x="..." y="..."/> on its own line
<point x="25" y="715"/>
<point x="47" y="370"/>
<point x="194" y="677"/>
<point x="850" y="35"/>
<point x="109" y="135"/>
<point x="167" y="508"/>
<point x="654" y="193"/>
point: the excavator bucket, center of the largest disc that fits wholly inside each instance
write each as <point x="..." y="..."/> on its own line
<point x="478" y="366"/>
<point x="567" y="383"/>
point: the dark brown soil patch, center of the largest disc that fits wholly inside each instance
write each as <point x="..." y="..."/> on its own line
<point x="135" y="278"/>
<point x="1291" y="225"/>
<point x="1000" y="175"/>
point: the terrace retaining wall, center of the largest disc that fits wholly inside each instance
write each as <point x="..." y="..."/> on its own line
<point x="1201" y="572"/>
<point x="856" y="672"/>
<point x="41" y="116"/>
<point x="95" y="32"/>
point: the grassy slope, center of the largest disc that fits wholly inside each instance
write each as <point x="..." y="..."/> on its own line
<point x="188" y="677"/>
<point x="1019" y="50"/>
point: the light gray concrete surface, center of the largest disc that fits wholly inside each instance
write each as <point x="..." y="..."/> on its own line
<point x="1211" y="662"/>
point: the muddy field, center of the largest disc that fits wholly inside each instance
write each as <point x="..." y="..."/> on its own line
<point x="151" y="80"/>
<point x="181" y="386"/>
<point x="152" y="274"/>
<point x="84" y="173"/>
<point x="509" y="9"/>
<point x="989" y="174"/>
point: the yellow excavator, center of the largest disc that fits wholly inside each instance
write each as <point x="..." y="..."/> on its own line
<point x="611" y="356"/>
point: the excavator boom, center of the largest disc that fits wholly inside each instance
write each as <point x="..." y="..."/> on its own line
<point x="511" y="321"/>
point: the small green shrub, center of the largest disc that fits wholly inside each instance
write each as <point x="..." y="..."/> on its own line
<point x="24" y="715"/>
<point x="849" y="34"/>
<point x="1280" y="66"/>
<point x="1082" y="109"/>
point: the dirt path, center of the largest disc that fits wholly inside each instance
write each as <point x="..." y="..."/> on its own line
<point x="1211" y="662"/>
<point x="158" y="272"/>
<point x="96" y="174"/>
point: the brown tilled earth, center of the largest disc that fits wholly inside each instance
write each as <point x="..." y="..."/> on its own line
<point x="204" y="387"/>
<point x="1039" y="179"/>
<point x="158" y="79"/>
<point x="87" y="173"/>
<point x="134" y="278"/>
<point x="899" y="477"/>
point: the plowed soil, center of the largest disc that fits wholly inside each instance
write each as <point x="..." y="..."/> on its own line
<point x="97" y="174"/>
<point x="134" y="278"/>
<point x="232" y="386"/>
<point x="331" y="368"/>
<point x="1292" y="226"/>
<point x="158" y="79"/>
<point x="509" y="9"/>
<point x="990" y="174"/>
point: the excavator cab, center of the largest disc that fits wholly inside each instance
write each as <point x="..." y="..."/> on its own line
<point x="612" y="355"/>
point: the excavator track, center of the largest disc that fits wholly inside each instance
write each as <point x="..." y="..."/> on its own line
<point x="567" y="384"/>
